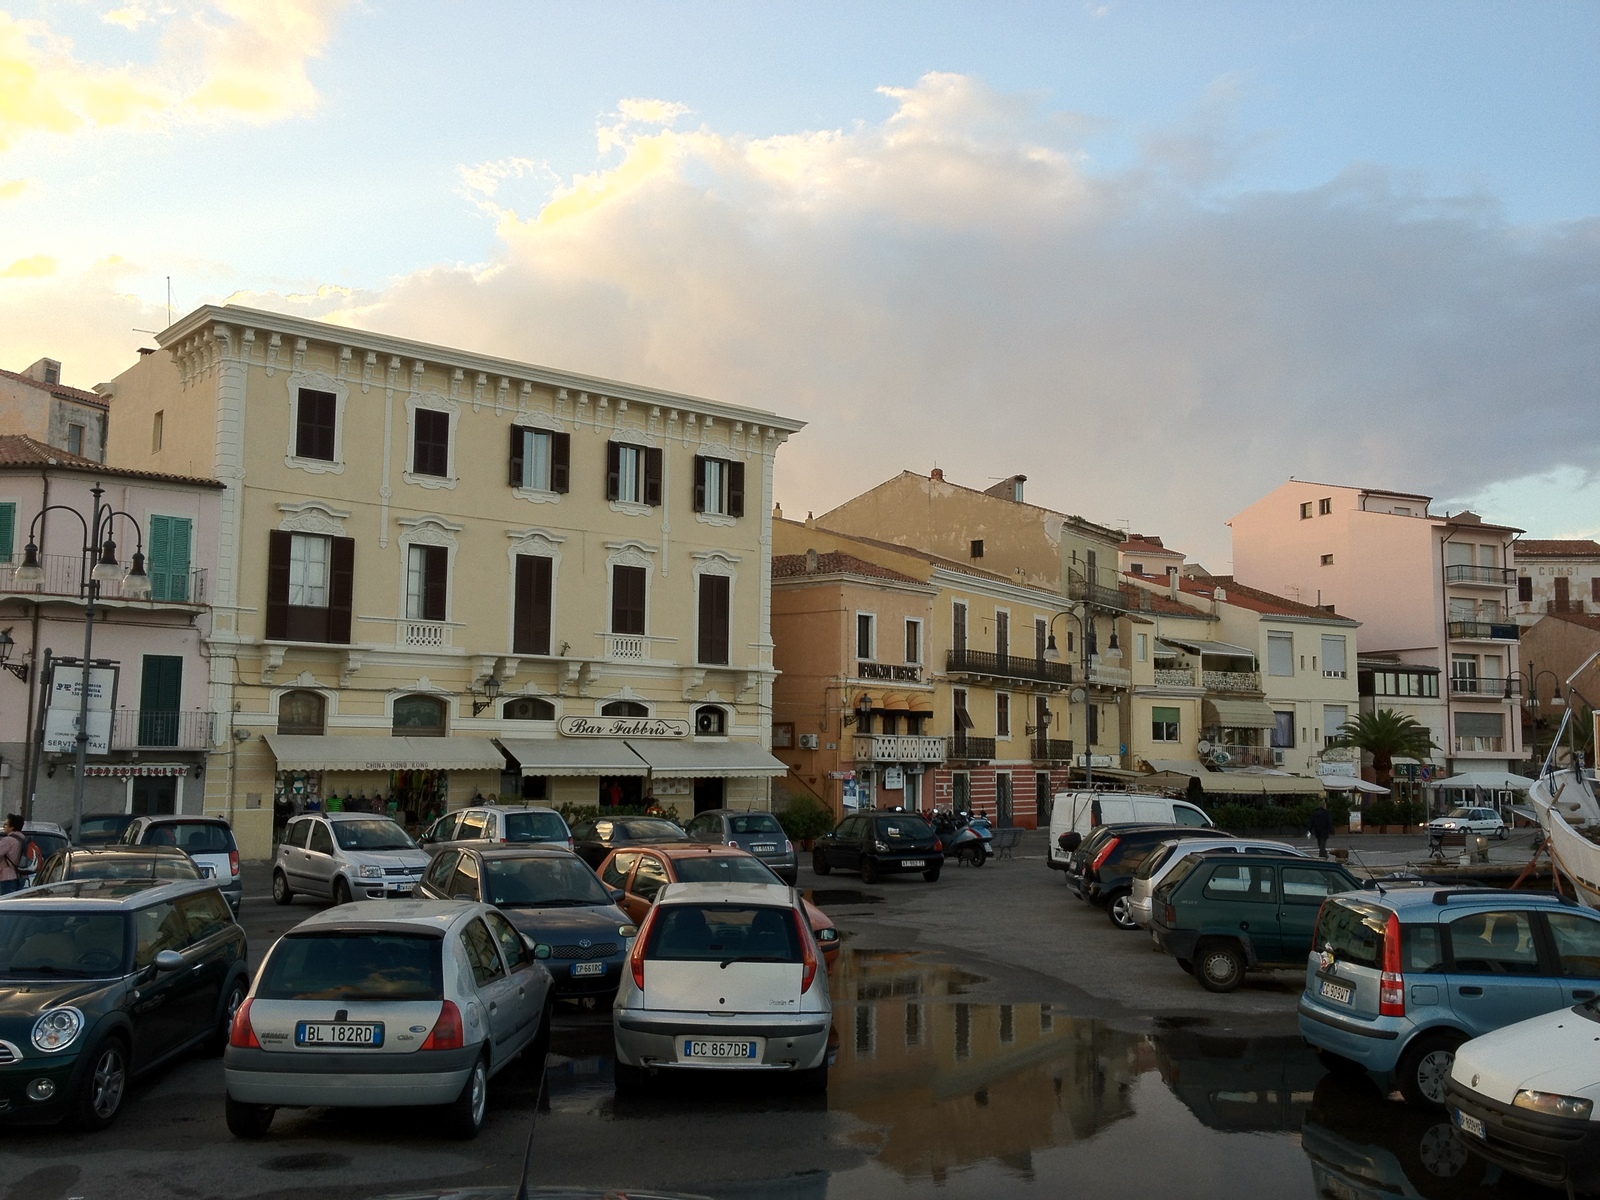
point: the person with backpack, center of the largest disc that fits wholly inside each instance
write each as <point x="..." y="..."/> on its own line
<point x="12" y="848"/>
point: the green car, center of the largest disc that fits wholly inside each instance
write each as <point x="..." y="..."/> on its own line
<point x="102" y="980"/>
<point x="1221" y="915"/>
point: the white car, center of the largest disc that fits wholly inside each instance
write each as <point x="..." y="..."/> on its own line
<point x="1470" y="820"/>
<point x="415" y="1002"/>
<point x="724" y="975"/>
<point x="1169" y="854"/>
<point x="1527" y="1098"/>
<point x="345" y="856"/>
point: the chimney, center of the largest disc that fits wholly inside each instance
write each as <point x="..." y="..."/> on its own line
<point x="1172" y="582"/>
<point x="777" y="512"/>
<point x="937" y="476"/>
<point x="1144" y="599"/>
<point x="811" y="521"/>
<point x="46" y="370"/>
<point x="1008" y="489"/>
<point x="811" y="562"/>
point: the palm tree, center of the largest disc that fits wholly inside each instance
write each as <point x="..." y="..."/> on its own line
<point x="1385" y="734"/>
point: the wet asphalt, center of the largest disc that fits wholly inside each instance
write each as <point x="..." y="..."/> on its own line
<point x="994" y="1036"/>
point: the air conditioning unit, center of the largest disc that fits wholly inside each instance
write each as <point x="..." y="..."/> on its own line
<point x="1277" y="758"/>
<point x="810" y="741"/>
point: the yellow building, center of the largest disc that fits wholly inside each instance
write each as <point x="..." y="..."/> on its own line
<point x="441" y="574"/>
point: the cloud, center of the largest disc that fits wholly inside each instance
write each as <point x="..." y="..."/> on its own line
<point x="10" y="189"/>
<point x="212" y="60"/>
<point x="37" y="266"/>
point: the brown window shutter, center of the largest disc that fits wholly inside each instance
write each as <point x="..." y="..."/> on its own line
<point x="341" y="589"/>
<point x="278" y="584"/>
<point x="652" y="477"/>
<point x="518" y="434"/>
<point x="736" y="489"/>
<point x="560" y="460"/>
<point x="531" y="614"/>
<point x="713" y="619"/>
<point x="699" y="484"/>
<point x="435" y="575"/>
<point x="627" y="599"/>
<point x="613" y="471"/>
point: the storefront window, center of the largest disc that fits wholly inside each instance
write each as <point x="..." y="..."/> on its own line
<point x="528" y="708"/>
<point x="301" y="712"/>
<point x="710" y="721"/>
<point x="418" y="716"/>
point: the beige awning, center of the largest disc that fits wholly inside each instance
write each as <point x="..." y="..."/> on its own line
<point x="590" y="758"/>
<point x="711" y="760"/>
<point x="1237" y="714"/>
<point x="366" y="752"/>
<point x="1244" y="783"/>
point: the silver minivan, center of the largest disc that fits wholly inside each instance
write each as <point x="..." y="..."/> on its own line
<point x="486" y="825"/>
<point x="345" y="856"/>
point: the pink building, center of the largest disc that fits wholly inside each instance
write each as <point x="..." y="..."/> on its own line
<point x="1433" y="593"/>
<point x="153" y="724"/>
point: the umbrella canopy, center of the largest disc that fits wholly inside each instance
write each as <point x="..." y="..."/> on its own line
<point x="1340" y="783"/>
<point x="1488" y="781"/>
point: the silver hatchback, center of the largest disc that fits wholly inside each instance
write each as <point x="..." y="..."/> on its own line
<point x="346" y="856"/>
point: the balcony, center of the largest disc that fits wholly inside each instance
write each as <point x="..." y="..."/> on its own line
<point x="900" y="748"/>
<point x="1051" y="749"/>
<point x="1565" y="606"/>
<point x="425" y="635"/>
<point x="970" y="749"/>
<point x="64" y="578"/>
<point x="1097" y="595"/>
<point x="1470" y="576"/>
<point x="1174" y="676"/>
<point x="156" y="729"/>
<point x="979" y="663"/>
<point x="1112" y="677"/>
<point x="1482" y="631"/>
<point x="1245" y="756"/>
<point x="1487" y="689"/>
<point x="1231" y="681"/>
<point x="1480" y="745"/>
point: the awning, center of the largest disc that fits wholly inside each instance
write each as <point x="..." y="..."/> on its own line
<point x="584" y="757"/>
<point x="1175" y="766"/>
<point x="1237" y="714"/>
<point x="724" y="760"/>
<point x="1486" y="781"/>
<point x="1236" y="782"/>
<point x="307" y="752"/>
<point x="1342" y="783"/>
<point x="1225" y="649"/>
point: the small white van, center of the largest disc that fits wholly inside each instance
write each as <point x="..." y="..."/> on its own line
<point x="1073" y="812"/>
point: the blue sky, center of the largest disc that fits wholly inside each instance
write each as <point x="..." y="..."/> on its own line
<point x="1290" y="239"/>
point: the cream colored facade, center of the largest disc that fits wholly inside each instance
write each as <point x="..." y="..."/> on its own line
<point x="412" y="483"/>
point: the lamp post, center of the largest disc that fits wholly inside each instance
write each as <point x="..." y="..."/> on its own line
<point x="1532" y="677"/>
<point x="100" y="550"/>
<point x="1085" y="620"/>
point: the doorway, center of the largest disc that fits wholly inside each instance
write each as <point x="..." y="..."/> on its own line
<point x="708" y="794"/>
<point x="1002" y="800"/>
<point x="1042" y="797"/>
<point x="154" y="796"/>
<point x="621" y="791"/>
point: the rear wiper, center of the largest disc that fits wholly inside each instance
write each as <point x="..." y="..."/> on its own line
<point x="757" y="958"/>
<point x="383" y="996"/>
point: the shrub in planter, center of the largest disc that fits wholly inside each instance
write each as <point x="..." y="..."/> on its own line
<point x="803" y="819"/>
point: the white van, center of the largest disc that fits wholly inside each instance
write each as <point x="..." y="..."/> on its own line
<point x="1073" y="812"/>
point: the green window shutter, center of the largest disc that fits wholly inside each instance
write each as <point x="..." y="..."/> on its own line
<point x="180" y="540"/>
<point x="160" y="695"/>
<point x="157" y="563"/>
<point x="8" y="532"/>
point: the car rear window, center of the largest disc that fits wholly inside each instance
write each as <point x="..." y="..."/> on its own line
<point x="723" y="933"/>
<point x="550" y="882"/>
<point x="904" y="829"/>
<point x="353" y="966"/>
<point x="131" y="866"/>
<point x="755" y="823"/>
<point x="534" y="827"/>
<point x="48" y="843"/>
<point x="1354" y="931"/>
<point x="193" y="837"/>
<point x="724" y="868"/>
<point x="649" y="830"/>
<point x="1154" y="862"/>
<point x="1177" y="875"/>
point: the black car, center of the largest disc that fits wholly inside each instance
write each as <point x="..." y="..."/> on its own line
<point x="593" y="840"/>
<point x="118" y="862"/>
<point x="102" y="980"/>
<point x="879" y="843"/>
<point x="1101" y="868"/>
<point x="102" y="829"/>
<point x="552" y="896"/>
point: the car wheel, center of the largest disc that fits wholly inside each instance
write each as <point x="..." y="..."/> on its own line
<point x="813" y="1082"/>
<point x="869" y="869"/>
<point x="1219" y="967"/>
<point x="1119" y="907"/>
<point x="104" y="1085"/>
<point x="231" y="1001"/>
<point x="1502" y="833"/>
<point x="819" y="864"/>
<point x="1425" y="1066"/>
<point x="248" y="1120"/>
<point x="281" y="894"/>
<point x="629" y="1081"/>
<point x="931" y="874"/>
<point x="341" y="891"/>
<point x="470" y="1108"/>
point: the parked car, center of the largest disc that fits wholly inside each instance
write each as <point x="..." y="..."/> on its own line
<point x="1221" y="915"/>
<point x="757" y="832"/>
<point x="550" y="895"/>
<point x="1073" y="817"/>
<point x="102" y="980"/>
<point x="118" y="862"/>
<point x="1524" y="1098"/>
<point x="1471" y="820"/>
<point x="207" y="840"/>
<point x="641" y="874"/>
<point x="345" y="856"/>
<point x="1101" y="869"/>
<point x="418" y="1002"/>
<point x="724" y="975"/>
<point x="876" y="843"/>
<point x="1149" y="874"/>
<point x="498" y="825"/>
<point x="593" y="840"/>
<point x="1399" y="979"/>
<point x="102" y="829"/>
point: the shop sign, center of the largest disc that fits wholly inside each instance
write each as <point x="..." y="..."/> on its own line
<point x="894" y="778"/>
<point x="614" y="727"/>
<point x="852" y="795"/>
<point x="66" y="700"/>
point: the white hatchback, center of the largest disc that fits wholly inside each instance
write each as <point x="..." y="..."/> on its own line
<point x="1470" y="820"/>
<point x="724" y="975"/>
<point x="1169" y="854"/>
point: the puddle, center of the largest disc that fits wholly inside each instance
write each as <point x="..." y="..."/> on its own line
<point x="842" y="897"/>
<point x="314" y="1161"/>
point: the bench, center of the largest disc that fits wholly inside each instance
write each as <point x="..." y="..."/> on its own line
<point x="1006" y="841"/>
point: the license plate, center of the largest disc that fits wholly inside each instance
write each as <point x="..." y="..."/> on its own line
<point x="339" y="1033"/>
<point x="765" y="848"/>
<point x="403" y="889"/>
<point x="588" y="968"/>
<point x="721" y="1049"/>
<point x="1335" y="991"/>
<point x="913" y="862"/>
<point x="207" y="871"/>
<point x="1470" y="1124"/>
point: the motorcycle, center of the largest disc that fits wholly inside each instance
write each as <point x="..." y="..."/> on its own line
<point x="966" y="839"/>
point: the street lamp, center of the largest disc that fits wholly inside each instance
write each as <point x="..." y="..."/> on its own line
<point x="1085" y="620"/>
<point x="491" y="692"/>
<point x="1532" y="677"/>
<point x="7" y="645"/>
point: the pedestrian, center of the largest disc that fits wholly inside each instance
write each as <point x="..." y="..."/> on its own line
<point x="12" y="847"/>
<point x="1322" y="827"/>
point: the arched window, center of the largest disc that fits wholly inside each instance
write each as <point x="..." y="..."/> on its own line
<point x="710" y="721"/>
<point x="418" y="716"/>
<point x="302" y="712"/>
<point x="624" y="708"/>
<point x="528" y="708"/>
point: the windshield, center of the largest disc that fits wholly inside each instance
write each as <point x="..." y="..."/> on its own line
<point x="1177" y="875"/>
<point x="45" y="844"/>
<point x="376" y="834"/>
<point x="353" y="966"/>
<point x="756" y="823"/>
<point x="1153" y="864"/>
<point x="55" y="944"/>
<point x="650" y="830"/>
<point x="195" y="837"/>
<point x="133" y="866"/>
<point x="535" y="827"/>
<point x="904" y="829"/>
<point x="543" y="882"/>
<point x="724" y="868"/>
<point x="724" y="933"/>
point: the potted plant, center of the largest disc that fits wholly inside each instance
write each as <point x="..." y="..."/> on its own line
<point x="804" y="821"/>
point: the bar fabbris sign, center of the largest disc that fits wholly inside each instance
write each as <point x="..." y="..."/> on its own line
<point x="634" y="727"/>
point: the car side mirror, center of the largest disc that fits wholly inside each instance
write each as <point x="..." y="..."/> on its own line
<point x="617" y="895"/>
<point x="541" y="951"/>
<point x="168" y="960"/>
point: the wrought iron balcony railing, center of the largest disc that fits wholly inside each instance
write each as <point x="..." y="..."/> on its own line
<point x="161" y="729"/>
<point x="1497" y="577"/>
<point x="1007" y="666"/>
<point x="971" y="749"/>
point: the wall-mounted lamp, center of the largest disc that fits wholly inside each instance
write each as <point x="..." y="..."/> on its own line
<point x="491" y="693"/>
<point x="7" y="645"/>
<point x="862" y="711"/>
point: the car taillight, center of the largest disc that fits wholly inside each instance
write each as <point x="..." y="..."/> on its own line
<point x="569" y="844"/>
<point x="1392" y="984"/>
<point x="1105" y="853"/>
<point x="808" y="952"/>
<point x="636" y="958"/>
<point x="233" y="862"/>
<point x="447" y="1033"/>
<point x="938" y="845"/>
<point x="788" y="846"/>
<point x="241" y="1033"/>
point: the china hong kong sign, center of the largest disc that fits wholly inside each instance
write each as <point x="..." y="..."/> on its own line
<point x="638" y="727"/>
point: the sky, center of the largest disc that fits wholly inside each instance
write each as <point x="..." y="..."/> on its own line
<point x="1156" y="257"/>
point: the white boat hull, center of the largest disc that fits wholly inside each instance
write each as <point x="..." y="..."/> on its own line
<point x="1566" y="809"/>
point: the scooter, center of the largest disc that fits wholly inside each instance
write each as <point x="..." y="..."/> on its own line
<point x="967" y="840"/>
